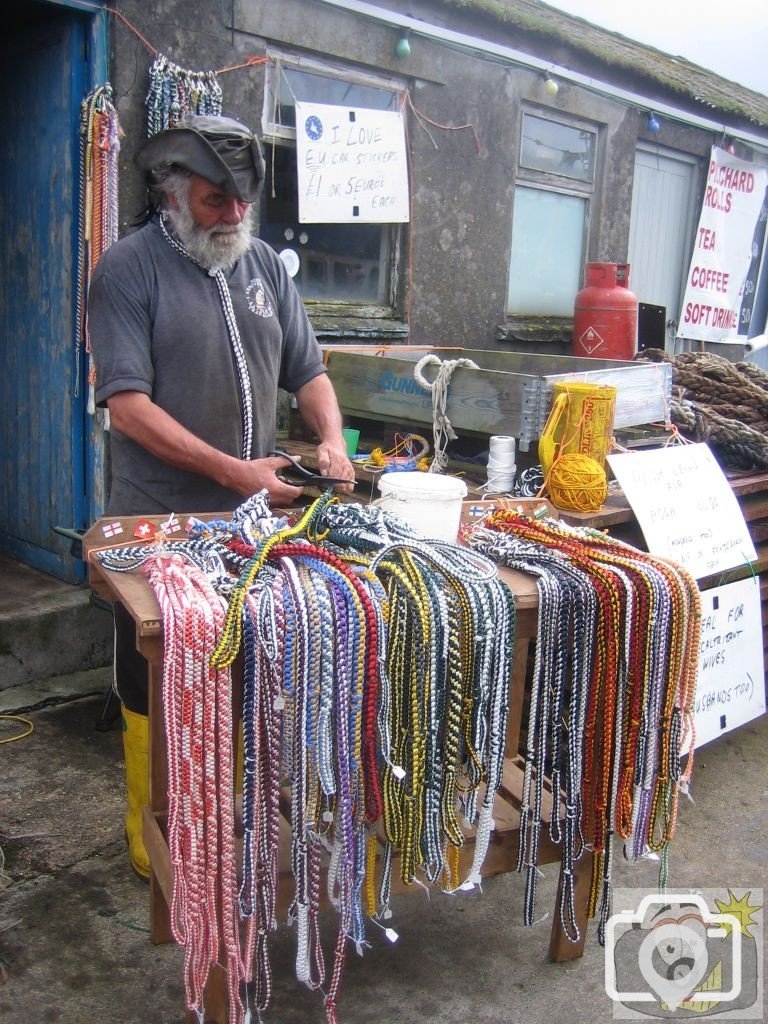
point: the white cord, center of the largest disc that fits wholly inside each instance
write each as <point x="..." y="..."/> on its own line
<point x="442" y="431"/>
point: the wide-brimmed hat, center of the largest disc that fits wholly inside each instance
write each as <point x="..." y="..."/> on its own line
<point x="219" y="149"/>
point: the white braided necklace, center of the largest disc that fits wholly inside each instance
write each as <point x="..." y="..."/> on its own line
<point x="243" y="376"/>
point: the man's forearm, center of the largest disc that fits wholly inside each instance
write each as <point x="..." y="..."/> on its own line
<point x="136" y="415"/>
<point x="320" y="410"/>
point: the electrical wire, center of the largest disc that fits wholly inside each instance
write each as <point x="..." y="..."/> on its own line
<point x="21" y="735"/>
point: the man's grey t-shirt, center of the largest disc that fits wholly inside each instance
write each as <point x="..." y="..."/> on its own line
<point x="157" y="326"/>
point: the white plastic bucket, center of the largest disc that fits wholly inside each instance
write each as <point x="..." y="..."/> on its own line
<point x="429" y="502"/>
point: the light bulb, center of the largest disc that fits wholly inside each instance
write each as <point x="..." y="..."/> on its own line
<point x="654" y="126"/>
<point x="551" y="86"/>
<point x="403" y="48"/>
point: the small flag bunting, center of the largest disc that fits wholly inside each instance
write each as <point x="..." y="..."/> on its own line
<point x="171" y="525"/>
<point x="144" y="529"/>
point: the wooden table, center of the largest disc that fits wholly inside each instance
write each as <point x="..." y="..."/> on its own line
<point x="133" y="591"/>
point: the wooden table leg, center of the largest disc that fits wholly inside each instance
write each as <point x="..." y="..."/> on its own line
<point x="525" y="635"/>
<point x="159" y="914"/>
<point x="215" y="999"/>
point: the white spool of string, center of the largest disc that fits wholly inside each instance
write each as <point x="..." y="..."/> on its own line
<point x="501" y="465"/>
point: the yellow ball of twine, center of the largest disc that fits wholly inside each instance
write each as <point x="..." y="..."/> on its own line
<point x="577" y="482"/>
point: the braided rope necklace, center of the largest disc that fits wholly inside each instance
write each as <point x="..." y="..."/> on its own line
<point x="99" y="148"/>
<point x="174" y="92"/>
<point x="241" y="363"/>
<point x="376" y="673"/>
<point x="630" y="679"/>
<point x="198" y="727"/>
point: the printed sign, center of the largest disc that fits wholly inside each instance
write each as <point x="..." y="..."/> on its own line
<point x="685" y="507"/>
<point x="730" y="689"/>
<point x="352" y="166"/>
<point x="720" y="291"/>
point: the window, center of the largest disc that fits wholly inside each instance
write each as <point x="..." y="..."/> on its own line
<point x="551" y="216"/>
<point x="557" y="148"/>
<point x="347" y="264"/>
<point x="547" y="252"/>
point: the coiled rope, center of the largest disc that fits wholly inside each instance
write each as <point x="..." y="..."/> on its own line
<point x="721" y="403"/>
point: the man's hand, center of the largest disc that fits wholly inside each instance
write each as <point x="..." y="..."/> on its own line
<point x="332" y="460"/>
<point x="320" y="411"/>
<point x="261" y="474"/>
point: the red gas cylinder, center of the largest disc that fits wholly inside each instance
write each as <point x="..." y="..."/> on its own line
<point x="605" y="314"/>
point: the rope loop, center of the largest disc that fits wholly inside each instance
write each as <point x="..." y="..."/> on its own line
<point x="441" y="425"/>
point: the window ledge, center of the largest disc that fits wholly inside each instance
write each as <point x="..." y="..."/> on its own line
<point x="537" y="330"/>
<point x="334" y="321"/>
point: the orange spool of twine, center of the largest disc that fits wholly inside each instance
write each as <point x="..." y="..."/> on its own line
<point x="577" y="482"/>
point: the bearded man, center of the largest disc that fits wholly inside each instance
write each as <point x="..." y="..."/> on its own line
<point x="194" y="325"/>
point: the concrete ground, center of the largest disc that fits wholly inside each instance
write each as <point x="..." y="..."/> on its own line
<point x="74" y="944"/>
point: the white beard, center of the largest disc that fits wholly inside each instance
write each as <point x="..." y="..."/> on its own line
<point x="217" y="248"/>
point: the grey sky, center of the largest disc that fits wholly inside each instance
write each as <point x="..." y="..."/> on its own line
<point x="728" y="38"/>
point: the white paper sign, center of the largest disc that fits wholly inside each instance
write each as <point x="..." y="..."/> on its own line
<point x="717" y="305"/>
<point x="730" y="689"/>
<point x="351" y="164"/>
<point x="685" y="507"/>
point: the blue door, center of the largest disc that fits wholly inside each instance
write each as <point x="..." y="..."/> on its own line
<point x="46" y="457"/>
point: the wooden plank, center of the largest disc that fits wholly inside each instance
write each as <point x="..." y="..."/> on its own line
<point x="215" y="999"/>
<point x="754" y="507"/>
<point x="159" y="884"/>
<point x="479" y="401"/>
<point x="523" y="587"/>
<point x="503" y="393"/>
<point x="512" y="788"/>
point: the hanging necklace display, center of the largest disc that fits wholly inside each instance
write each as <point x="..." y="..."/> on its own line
<point x="174" y="92"/>
<point x="100" y="135"/>
<point x="612" y="694"/>
<point x="376" y="683"/>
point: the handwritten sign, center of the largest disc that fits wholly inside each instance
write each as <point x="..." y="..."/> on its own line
<point x="730" y="688"/>
<point x="352" y="166"/>
<point x="685" y="507"/>
<point x="719" y="294"/>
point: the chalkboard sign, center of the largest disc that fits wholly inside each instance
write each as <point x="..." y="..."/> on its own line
<point x="685" y="507"/>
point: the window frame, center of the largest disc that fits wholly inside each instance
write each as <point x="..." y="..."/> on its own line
<point x="274" y="131"/>
<point x="548" y="181"/>
<point x="333" y="317"/>
<point x="577" y="124"/>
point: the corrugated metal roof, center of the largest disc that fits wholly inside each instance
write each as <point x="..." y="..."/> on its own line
<point x="577" y="37"/>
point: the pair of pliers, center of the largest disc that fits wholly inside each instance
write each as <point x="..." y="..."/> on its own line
<point x="297" y="475"/>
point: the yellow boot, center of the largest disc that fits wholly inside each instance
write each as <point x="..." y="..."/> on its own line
<point x="136" y="746"/>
